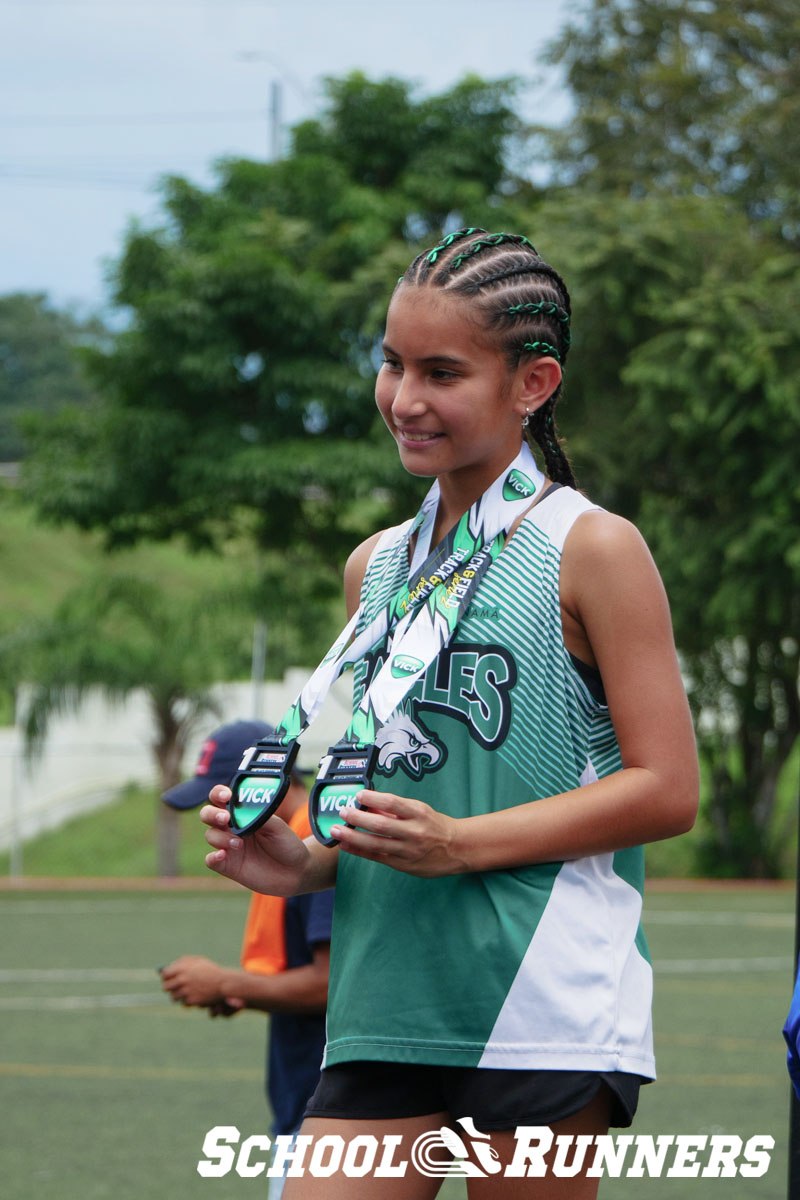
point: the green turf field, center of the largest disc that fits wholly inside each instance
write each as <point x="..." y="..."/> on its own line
<point x="108" y="1090"/>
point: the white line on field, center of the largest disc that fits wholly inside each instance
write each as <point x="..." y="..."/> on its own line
<point x="78" y="975"/>
<point x="759" y="920"/>
<point x="33" y="1003"/>
<point x="720" y="966"/>
<point x="80" y="908"/>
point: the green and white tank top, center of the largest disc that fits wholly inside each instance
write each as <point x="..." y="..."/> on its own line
<point x="542" y="966"/>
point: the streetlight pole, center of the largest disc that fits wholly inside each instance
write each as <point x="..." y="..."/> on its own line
<point x="275" y="119"/>
<point x="275" y="106"/>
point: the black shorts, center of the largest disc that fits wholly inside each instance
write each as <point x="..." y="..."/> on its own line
<point x="495" y="1099"/>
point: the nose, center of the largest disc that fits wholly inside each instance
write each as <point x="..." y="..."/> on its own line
<point x="409" y="399"/>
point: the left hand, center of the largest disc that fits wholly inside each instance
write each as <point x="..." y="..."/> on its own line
<point x="405" y="834"/>
<point x="194" y="981"/>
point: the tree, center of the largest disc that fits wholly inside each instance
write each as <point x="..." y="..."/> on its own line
<point x="720" y="381"/>
<point x="685" y="97"/>
<point x="39" y="363"/>
<point x="122" y="634"/>
<point x="681" y="409"/>
<point x="239" y="397"/>
<point x="678" y="213"/>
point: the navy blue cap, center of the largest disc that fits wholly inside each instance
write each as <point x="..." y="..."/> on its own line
<point x="219" y="760"/>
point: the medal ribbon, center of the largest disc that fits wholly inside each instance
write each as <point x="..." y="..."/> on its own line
<point x="437" y="593"/>
<point x="416" y="624"/>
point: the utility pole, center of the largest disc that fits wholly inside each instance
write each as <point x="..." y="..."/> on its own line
<point x="275" y="101"/>
<point x="257" y="670"/>
<point x="275" y="119"/>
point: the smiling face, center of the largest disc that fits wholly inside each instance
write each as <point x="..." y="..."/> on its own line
<point x="446" y="392"/>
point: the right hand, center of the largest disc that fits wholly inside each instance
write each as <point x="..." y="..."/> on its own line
<point x="272" y="860"/>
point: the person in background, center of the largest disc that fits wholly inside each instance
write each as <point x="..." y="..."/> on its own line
<point x="284" y="955"/>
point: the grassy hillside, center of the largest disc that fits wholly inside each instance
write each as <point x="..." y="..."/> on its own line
<point x="118" y="841"/>
<point x="39" y="564"/>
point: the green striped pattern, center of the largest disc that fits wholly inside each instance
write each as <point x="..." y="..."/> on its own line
<point x="427" y="976"/>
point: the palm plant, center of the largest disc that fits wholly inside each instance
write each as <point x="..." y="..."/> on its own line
<point x="122" y="634"/>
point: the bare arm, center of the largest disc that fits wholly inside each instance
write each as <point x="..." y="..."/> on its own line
<point x="612" y="596"/>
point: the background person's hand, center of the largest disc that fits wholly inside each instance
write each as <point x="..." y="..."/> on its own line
<point x="194" y="981"/>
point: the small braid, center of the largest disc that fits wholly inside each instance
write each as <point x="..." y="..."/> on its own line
<point x="543" y="348"/>
<point x="448" y="241"/>
<point x="542" y="428"/>
<point x="544" y="306"/>
<point x="494" y="239"/>
<point x="420" y="267"/>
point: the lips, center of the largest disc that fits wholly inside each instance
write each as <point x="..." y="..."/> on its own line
<point x="417" y="437"/>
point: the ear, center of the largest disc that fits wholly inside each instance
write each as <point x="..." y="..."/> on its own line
<point x="536" y="381"/>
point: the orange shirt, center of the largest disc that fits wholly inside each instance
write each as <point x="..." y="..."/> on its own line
<point x="264" y="941"/>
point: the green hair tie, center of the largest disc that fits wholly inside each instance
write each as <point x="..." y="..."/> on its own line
<point x="495" y="239"/>
<point x="548" y="306"/>
<point x="448" y="241"/>
<point x="543" y="348"/>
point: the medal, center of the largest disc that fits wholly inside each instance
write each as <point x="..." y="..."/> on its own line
<point x="260" y="783"/>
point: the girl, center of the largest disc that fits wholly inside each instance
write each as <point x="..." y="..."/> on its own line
<point x="488" y="962"/>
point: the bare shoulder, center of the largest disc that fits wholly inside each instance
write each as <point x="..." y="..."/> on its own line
<point x="355" y="568"/>
<point x="599" y="533"/>
<point x="610" y="583"/>
<point x="605" y="550"/>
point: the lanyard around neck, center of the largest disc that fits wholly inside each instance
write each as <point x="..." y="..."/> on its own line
<point x="416" y="625"/>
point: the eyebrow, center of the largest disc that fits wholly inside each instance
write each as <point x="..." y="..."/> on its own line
<point x="431" y="358"/>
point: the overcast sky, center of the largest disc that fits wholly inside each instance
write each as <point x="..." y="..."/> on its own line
<point x="100" y="97"/>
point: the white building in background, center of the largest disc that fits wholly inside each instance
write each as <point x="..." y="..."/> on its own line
<point x="89" y="757"/>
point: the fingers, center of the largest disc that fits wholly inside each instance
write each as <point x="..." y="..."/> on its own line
<point x="218" y="861"/>
<point x="402" y="833"/>
<point x="389" y="804"/>
<point x="216" y="812"/>
<point x="362" y="820"/>
<point x="217" y="817"/>
<point x="367" y="845"/>
<point x="383" y="813"/>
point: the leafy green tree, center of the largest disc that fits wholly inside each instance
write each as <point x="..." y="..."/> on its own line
<point x="681" y="410"/>
<point x="675" y="214"/>
<point x="121" y="634"/>
<point x="239" y="397"/>
<point x="39" y="363"/>
<point x="687" y="97"/>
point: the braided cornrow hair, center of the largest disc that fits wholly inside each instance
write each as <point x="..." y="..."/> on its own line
<point x="523" y="301"/>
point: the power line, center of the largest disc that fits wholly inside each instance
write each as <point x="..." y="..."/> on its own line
<point x="50" y="176"/>
<point x="36" y="120"/>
